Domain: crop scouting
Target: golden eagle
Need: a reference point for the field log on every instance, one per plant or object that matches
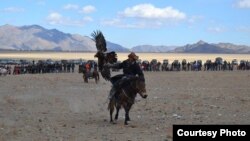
(103, 56)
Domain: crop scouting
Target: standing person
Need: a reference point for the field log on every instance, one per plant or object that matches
(64, 66)
(130, 69)
(87, 67)
(68, 66)
(73, 67)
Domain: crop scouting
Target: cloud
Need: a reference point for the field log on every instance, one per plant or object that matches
(70, 7)
(216, 29)
(118, 22)
(243, 4)
(146, 16)
(88, 19)
(123, 23)
(244, 29)
(41, 2)
(149, 11)
(85, 10)
(195, 19)
(88, 9)
(55, 18)
(12, 10)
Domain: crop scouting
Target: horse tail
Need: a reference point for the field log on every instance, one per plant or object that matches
(111, 105)
(97, 74)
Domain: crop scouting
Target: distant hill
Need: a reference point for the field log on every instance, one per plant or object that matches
(150, 48)
(203, 47)
(199, 47)
(116, 47)
(35, 37)
(235, 48)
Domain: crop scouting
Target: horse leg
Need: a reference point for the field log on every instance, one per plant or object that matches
(129, 107)
(96, 77)
(126, 115)
(111, 110)
(111, 115)
(117, 111)
(83, 76)
(86, 78)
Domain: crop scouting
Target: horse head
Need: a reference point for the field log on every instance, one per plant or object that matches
(141, 87)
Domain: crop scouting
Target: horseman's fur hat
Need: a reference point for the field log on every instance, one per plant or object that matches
(133, 56)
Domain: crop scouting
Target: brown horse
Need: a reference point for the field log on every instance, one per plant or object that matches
(125, 97)
(91, 74)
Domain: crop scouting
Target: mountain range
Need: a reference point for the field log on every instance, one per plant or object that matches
(35, 37)
(203, 47)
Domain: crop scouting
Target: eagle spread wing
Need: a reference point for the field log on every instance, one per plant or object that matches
(100, 41)
(103, 58)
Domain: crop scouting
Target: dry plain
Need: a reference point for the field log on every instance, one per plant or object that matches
(121, 56)
(61, 106)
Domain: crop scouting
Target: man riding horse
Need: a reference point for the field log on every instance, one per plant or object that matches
(125, 86)
(130, 70)
(107, 60)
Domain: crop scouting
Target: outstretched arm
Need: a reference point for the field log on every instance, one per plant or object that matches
(115, 65)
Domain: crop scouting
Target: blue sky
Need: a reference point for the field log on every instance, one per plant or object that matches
(137, 22)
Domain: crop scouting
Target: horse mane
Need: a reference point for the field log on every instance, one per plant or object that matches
(138, 78)
(129, 87)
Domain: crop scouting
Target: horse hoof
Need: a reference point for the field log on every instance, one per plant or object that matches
(112, 122)
(116, 117)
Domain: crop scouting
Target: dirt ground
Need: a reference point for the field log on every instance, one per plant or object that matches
(61, 107)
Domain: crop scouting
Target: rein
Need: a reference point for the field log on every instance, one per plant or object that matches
(125, 94)
(130, 99)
